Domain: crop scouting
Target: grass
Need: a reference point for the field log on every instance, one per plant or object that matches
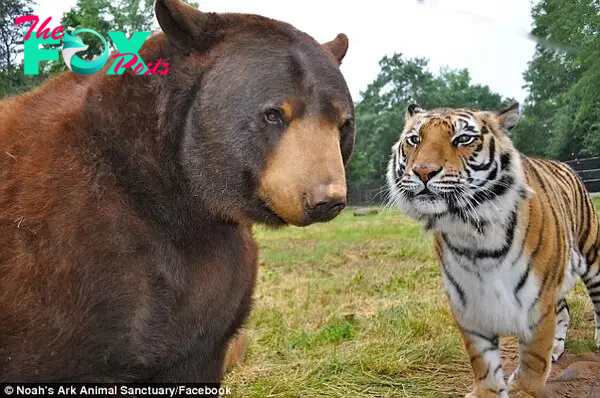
(355, 307)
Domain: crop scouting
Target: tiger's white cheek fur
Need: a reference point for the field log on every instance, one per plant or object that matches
(395, 195)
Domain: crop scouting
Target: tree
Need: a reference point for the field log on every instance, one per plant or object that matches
(103, 16)
(12, 79)
(380, 112)
(561, 113)
(11, 34)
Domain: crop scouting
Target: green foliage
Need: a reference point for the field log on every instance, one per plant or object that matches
(11, 34)
(101, 16)
(380, 113)
(562, 113)
(366, 316)
(12, 79)
(104, 16)
(337, 331)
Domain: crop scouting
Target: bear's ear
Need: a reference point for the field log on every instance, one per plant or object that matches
(187, 28)
(338, 47)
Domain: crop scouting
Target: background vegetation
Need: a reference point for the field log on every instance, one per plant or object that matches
(561, 113)
(356, 308)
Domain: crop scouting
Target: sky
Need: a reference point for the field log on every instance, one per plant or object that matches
(487, 37)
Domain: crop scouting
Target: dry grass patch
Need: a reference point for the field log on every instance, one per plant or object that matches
(355, 307)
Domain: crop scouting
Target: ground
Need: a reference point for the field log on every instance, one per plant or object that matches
(355, 307)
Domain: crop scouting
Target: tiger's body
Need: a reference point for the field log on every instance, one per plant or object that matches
(512, 235)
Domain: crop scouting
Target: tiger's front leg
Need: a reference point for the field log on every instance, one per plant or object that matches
(486, 363)
(535, 356)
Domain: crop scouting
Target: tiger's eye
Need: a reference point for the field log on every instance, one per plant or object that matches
(414, 140)
(463, 140)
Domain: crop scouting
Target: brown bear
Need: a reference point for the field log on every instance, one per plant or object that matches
(126, 201)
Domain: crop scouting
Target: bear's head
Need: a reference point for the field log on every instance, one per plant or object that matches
(270, 123)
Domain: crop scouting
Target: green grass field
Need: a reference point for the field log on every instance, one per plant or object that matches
(355, 308)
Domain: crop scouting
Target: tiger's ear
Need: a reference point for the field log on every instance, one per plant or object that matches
(338, 47)
(508, 117)
(187, 28)
(413, 109)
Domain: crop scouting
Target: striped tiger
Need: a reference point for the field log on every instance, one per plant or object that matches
(512, 234)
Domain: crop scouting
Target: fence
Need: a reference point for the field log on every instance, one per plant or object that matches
(373, 193)
(367, 193)
(589, 171)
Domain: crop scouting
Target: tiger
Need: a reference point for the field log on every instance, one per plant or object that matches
(512, 234)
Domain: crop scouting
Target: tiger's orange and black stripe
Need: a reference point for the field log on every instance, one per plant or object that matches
(512, 235)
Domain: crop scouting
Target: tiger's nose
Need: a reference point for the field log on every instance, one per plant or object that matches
(426, 172)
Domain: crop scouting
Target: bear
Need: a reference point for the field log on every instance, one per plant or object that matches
(127, 201)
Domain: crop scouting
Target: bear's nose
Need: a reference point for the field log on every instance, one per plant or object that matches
(325, 202)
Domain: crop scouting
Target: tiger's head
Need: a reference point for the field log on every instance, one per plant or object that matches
(453, 161)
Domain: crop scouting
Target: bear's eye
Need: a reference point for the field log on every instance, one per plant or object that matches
(346, 126)
(273, 116)
(413, 140)
(463, 140)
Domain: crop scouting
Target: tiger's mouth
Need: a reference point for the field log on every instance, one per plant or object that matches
(432, 200)
(426, 193)
(415, 201)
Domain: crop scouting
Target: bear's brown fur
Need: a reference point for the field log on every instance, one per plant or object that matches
(126, 202)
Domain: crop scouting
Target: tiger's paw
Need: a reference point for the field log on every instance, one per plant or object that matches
(534, 389)
(558, 349)
(513, 385)
(557, 357)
